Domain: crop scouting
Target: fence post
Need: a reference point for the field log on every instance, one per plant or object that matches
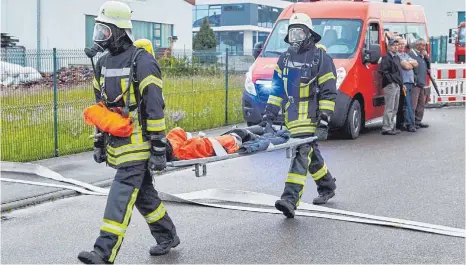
(226, 87)
(55, 103)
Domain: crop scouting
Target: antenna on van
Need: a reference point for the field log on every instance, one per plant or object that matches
(293, 7)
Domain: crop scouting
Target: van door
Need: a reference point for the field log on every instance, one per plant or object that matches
(373, 94)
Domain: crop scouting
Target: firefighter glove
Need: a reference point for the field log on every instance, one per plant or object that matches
(322, 127)
(158, 158)
(157, 162)
(99, 151)
(267, 121)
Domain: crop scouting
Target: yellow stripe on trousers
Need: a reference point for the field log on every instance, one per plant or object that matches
(129, 211)
(308, 164)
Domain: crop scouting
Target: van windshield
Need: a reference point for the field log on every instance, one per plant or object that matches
(462, 36)
(340, 36)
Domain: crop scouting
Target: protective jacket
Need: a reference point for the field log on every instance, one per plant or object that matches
(305, 83)
(183, 146)
(145, 102)
(261, 143)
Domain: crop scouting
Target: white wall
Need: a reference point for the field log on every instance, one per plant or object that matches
(247, 43)
(63, 21)
(19, 20)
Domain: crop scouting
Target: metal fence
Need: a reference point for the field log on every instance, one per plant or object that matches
(43, 98)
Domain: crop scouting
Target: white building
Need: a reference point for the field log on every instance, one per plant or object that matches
(238, 24)
(68, 24)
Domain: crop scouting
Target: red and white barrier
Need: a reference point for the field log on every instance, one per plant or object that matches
(451, 83)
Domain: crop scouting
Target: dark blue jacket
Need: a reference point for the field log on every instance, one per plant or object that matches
(262, 142)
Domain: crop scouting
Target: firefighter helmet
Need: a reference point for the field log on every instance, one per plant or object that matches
(117, 14)
(304, 20)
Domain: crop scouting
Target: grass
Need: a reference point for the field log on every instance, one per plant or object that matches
(27, 115)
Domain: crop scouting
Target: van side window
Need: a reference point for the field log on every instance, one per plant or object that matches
(410, 31)
(417, 30)
(372, 35)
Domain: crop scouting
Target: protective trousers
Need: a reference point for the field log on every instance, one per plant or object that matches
(132, 186)
(307, 159)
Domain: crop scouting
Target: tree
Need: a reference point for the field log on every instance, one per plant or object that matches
(205, 38)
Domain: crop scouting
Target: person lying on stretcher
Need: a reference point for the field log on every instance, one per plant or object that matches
(183, 146)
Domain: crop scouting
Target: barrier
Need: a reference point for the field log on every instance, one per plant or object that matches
(451, 83)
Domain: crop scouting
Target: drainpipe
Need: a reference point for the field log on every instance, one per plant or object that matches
(38, 36)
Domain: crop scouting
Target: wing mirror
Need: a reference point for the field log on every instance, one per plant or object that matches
(372, 55)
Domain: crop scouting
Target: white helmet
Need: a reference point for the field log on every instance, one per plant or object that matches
(118, 14)
(305, 20)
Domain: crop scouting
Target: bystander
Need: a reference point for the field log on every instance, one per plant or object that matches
(391, 83)
(405, 117)
(419, 53)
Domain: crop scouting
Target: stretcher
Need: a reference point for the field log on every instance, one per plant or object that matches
(202, 162)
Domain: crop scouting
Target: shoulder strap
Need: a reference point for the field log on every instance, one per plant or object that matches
(133, 78)
(316, 64)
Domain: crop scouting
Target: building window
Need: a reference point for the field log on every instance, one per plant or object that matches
(211, 12)
(259, 37)
(158, 33)
(267, 15)
(233, 40)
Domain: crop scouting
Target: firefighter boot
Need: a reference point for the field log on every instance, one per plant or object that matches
(286, 207)
(164, 247)
(323, 198)
(91, 258)
(326, 189)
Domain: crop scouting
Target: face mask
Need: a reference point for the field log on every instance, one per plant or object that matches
(296, 35)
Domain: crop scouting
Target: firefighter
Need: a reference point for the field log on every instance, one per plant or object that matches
(304, 84)
(134, 90)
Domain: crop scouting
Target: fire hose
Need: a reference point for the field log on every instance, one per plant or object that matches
(235, 197)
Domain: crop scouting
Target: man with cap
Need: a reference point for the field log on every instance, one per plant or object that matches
(304, 83)
(392, 84)
(128, 81)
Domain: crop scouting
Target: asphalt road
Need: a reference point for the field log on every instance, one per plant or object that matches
(414, 176)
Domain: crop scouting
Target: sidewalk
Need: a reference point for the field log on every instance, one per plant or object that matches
(79, 166)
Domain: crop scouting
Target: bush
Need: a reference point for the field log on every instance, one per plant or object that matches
(173, 67)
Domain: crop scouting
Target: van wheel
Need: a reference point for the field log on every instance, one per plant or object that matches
(353, 124)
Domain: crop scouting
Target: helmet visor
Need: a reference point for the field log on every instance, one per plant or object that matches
(296, 35)
(101, 32)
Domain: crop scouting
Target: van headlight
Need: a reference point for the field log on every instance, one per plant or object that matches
(249, 85)
(341, 74)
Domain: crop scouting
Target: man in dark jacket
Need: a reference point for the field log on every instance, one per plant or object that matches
(392, 83)
(419, 90)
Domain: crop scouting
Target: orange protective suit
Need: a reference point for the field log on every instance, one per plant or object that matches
(197, 147)
(108, 121)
